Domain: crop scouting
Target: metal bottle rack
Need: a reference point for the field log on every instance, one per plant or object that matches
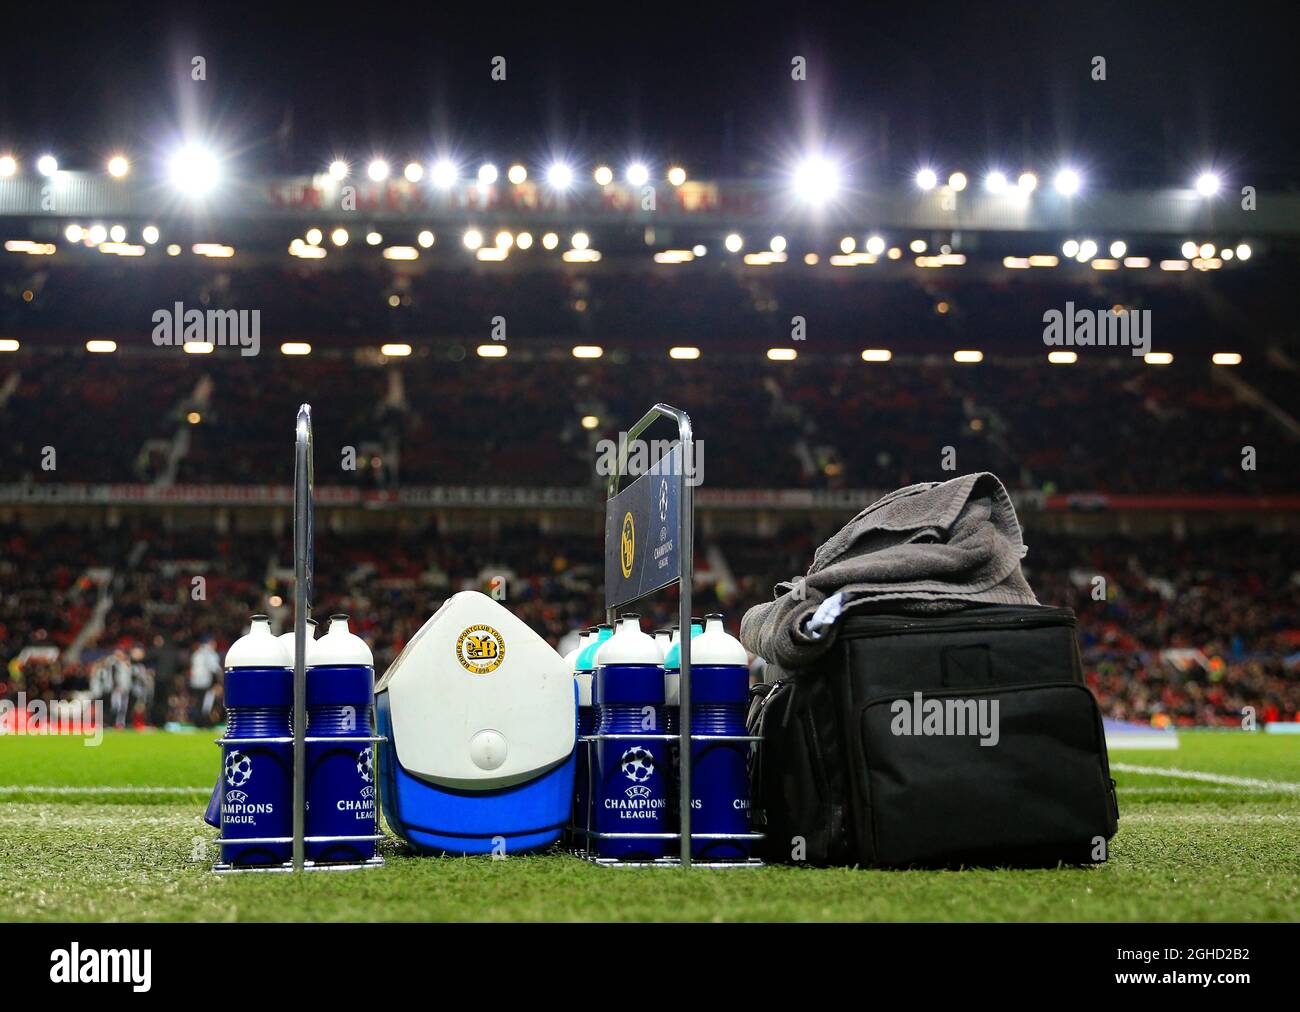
(304, 564)
(616, 597)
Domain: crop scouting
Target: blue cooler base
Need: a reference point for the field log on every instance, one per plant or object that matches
(443, 820)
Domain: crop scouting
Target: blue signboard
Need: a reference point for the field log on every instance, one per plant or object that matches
(643, 533)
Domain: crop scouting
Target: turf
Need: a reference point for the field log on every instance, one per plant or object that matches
(1186, 851)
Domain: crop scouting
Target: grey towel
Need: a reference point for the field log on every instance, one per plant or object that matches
(925, 548)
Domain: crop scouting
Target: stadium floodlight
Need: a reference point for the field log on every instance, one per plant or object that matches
(444, 173)
(413, 172)
(425, 238)
(1062, 357)
(733, 242)
(74, 233)
(8, 166)
(504, 240)
(1207, 184)
(1243, 251)
(374, 238)
(676, 175)
(875, 245)
(377, 170)
(194, 170)
(1087, 250)
(847, 245)
(968, 355)
(777, 245)
(517, 174)
(603, 175)
(339, 237)
(588, 351)
(295, 348)
(1158, 358)
(637, 174)
(918, 246)
(1188, 249)
(524, 240)
(313, 237)
(1070, 248)
(117, 233)
(1226, 358)
(150, 234)
(1067, 182)
(550, 240)
(395, 349)
(1206, 251)
(816, 179)
(1027, 182)
(472, 239)
(926, 179)
(684, 353)
(47, 165)
(876, 355)
(1118, 248)
(338, 170)
(699, 249)
(559, 175)
(590, 421)
(782, 354)
(491, 351)
(96, 234)
(101, 347)
(118, 166)
(995, 182)
(487, 174)
(580, 240)
(957, 182)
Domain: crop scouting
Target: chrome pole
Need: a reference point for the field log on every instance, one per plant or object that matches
(302, 545)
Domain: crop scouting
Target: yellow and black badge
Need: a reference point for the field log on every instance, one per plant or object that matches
(480, 649)
(627, 546)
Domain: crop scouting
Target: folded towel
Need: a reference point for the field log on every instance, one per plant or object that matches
(925, 548)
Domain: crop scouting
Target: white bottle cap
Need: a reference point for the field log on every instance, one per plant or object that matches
(258, 648)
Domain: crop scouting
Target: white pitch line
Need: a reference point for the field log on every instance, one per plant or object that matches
(1209, 778)
(97, 789)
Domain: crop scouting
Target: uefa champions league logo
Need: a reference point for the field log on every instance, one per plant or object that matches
(663, 501)
(366, 764)
(637, 764)
(239, 769)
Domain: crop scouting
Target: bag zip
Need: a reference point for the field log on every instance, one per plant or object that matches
(891, 625)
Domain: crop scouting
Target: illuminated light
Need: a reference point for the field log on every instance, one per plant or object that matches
(1070, 248)
(674, 256)
(926, 179)
(1102, 264)
(1226, 253)
(942, 308)
(47, 165)
(377, 170)
(197, 348)
(373, 238)
(444, 173)
(74, 233)
(588, 351)
(1118, 248)
(1016, 263)
(524, 240)
(603, 175)
(1158, 358)
(117, 233)
(425, 238)
(118, 166)
(590, 421)
(777, 245)
(338, 170)
(1027, 182)
(580, 256)
(918, 246)
(215, 250)
(1189, 249)
(699, 249)
(851, 260)
(1206, 250)
(517, 174)
(1207, 263)
(816, 180)
(684, 353)
(1062, 357)
(676, 175)
(413, 172)
(550, 240)
(1087, 250)
(877, 355)
(313, 237)
(1043, 260)
(943, 260)
(968, 356)
(848, 244)
(122, 249)
(957, 182)
(766, 259)
(9, 344)
(395, 350)
(487, 174)
(8, 166)
(733, 243)
(339, 237)
(29, 247)
(811, 259)
(493, 254)
(560, 176)
(1173, 265)
(1226, 358)
(875, 245)
(782, 354)
(173, 250)
(491, 351)
(895, 253)
(1067, 182)
(194, 170)
(995, 182)
(401, 253)
(1243, 251)
(580, 240)
(295, 348)
(150, 234)
(1207, 184)
(637, 174)
(100, 347)
(1138, 263)
(394, 300)
(194, 418)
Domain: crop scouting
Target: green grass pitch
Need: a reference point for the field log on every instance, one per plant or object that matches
(115, 832)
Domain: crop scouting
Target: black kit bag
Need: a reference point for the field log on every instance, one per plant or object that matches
(873, 756)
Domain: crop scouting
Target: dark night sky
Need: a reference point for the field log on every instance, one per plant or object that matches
(962, 85)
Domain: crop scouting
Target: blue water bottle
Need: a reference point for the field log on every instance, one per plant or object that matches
(584, 675)
(340, 776)
(631, 780)
(257, 778)
(672, 711)
(719, 769)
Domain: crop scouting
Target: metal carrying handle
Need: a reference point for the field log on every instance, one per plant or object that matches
(303, 535)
